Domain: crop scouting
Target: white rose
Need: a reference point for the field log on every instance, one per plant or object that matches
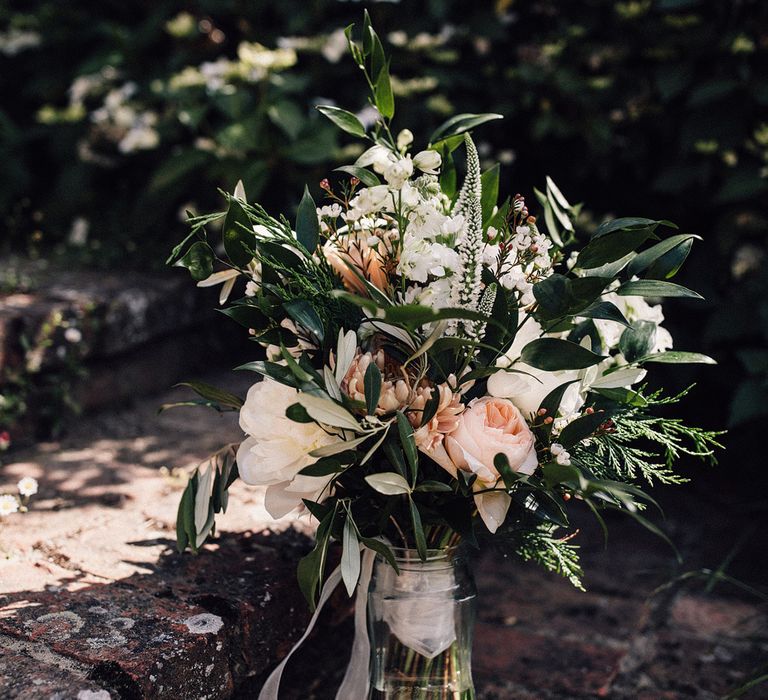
(528, 390)
(277, 448)
(428, 161)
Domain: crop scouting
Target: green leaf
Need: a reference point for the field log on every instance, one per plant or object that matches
(326, 411)
(372, 387)
(609, 248)
(382, 92)
(350, 556)
(434, 486)
(388, 483)
(246, 315)
(325, 466)
(346, 121)
(418, 531)
(211, 393)
(447, 173)
(380, 548)
(551, 405)
(310, 569)
(307, 223)
(656, 288)
(237, 234)
(372, 47)
(553, 354)
(302, 312)
(605, 310)
(637, 340)
(560, 296)
(198, 260)
(298, 414)
(405, 430)
(185, 518)
(678, 357)
(489, 183)
(668, 265)
(365, 176)
(555, 474)
(627, 222)
(644, 260)
(459, 124)
(582, 428)
(501, 462)
(624, 396)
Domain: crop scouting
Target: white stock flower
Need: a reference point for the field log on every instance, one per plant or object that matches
(27, 486)
(378, 157)
(277, 448)
(428, 162)
(397, 173)
(404, 139)
(8, 505)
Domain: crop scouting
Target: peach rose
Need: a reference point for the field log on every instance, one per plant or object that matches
(488, 427)
(351, 252)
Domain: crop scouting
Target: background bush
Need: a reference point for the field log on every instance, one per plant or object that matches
(119, 116)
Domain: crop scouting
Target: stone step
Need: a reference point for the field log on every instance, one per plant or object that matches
(93, 339)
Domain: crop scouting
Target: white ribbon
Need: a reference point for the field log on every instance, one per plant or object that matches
(355, 683)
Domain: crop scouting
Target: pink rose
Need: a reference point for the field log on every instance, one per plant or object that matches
(488, 427)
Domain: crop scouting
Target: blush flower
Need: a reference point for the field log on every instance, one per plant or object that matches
(429, 436)
(352, 258)
(394, 392)
(487, 427)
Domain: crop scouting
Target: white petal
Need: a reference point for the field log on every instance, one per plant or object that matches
(493, 507)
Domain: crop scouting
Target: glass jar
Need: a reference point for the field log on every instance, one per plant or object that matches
(420, 624)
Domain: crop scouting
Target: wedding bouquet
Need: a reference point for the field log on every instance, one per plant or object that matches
(435, 363)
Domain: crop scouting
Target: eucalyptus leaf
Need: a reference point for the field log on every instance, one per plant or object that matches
(372, 388)
(679, 357)
(656, 288)
(307, 223)
(327, 412)
(388, 483)
(644, 260)
(346, 121)
(553, 354)
(350, 556)
(489, 183)
(459, 124)
(365, 176)
(198, 260)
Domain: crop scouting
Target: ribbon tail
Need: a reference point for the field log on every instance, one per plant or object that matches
(355, 683)
(271, 687)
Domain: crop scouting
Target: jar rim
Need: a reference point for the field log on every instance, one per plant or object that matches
(409, 555)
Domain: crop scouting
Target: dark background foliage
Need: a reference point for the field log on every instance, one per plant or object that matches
(647, 107)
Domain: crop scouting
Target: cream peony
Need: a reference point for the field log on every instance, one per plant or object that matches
(487, 427)
(277, 448)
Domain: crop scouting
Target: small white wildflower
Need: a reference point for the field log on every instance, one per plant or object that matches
(73, 335)
(428, 161)
(8, 505)
(404, 139)
(27, 486)
(251, 289)
(398, 173)
(561, 455)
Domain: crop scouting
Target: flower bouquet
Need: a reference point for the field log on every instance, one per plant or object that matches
(436, 366)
